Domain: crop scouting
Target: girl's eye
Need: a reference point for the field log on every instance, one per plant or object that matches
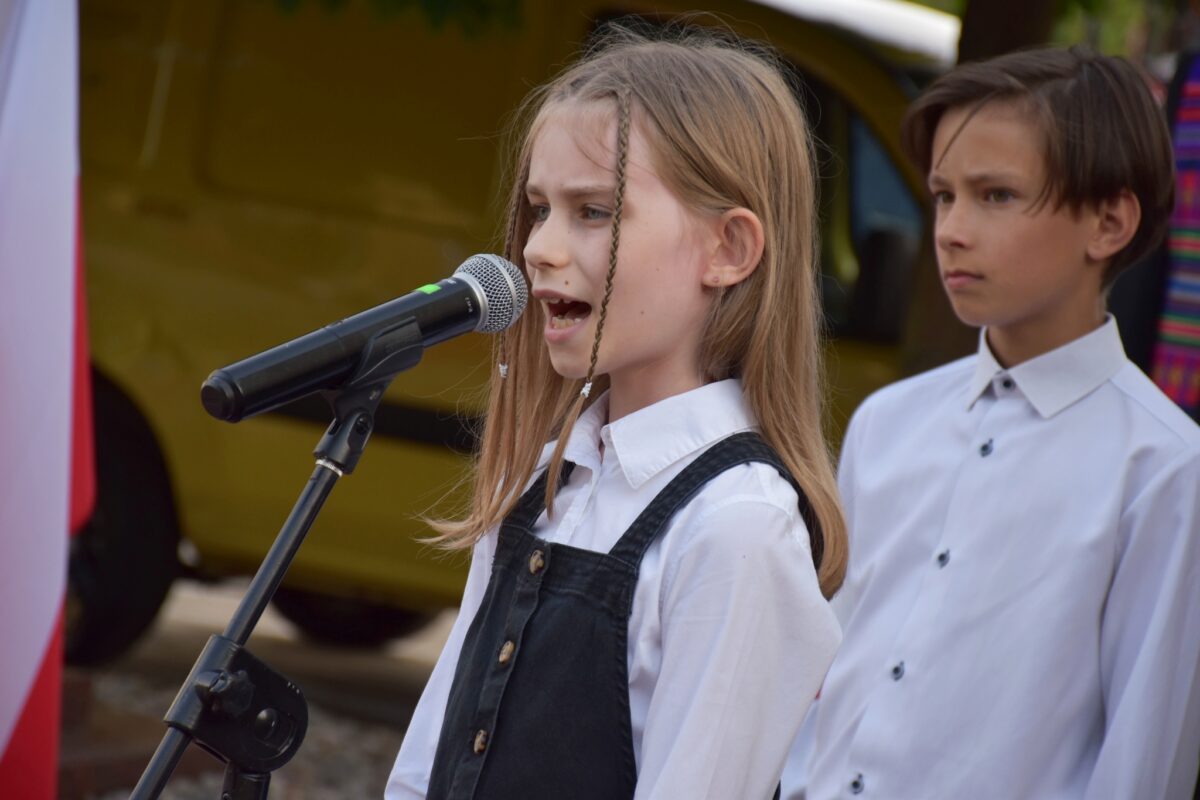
(593, 213)
(540, 212)
(942, 198)
(997, 195)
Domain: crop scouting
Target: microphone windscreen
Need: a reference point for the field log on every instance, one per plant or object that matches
(504, 290)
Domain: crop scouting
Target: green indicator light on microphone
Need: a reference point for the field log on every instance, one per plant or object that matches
(429, 288)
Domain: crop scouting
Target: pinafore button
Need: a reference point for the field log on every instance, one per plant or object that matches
(481, 740)
(506, 651)
(536, 562)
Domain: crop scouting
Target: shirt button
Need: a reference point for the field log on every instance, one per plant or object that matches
(857, 785)
(506, 651)
(536, 562)
(898, 671)
(481, 740)
(943, 558)
(985, 449)
(1007, 383)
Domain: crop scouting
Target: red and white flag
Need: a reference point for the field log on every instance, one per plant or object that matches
(46, 480)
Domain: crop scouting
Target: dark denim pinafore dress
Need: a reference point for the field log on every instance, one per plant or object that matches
(539, 707)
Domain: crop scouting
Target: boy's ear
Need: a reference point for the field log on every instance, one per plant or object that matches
(1117, 220)
(739, 248)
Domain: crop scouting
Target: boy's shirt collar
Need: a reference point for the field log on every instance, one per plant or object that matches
(651, 439)
(1056, 379)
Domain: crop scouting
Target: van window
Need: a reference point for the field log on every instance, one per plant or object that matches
(402, 124)
(879, 197)
(886, 226)
(825, 112)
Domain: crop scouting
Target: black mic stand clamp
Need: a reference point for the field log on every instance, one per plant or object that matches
(233, 705)
(243, 712)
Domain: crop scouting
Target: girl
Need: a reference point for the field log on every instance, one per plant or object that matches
(655, 522)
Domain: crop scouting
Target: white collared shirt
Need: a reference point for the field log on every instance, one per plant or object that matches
(729, 637)
(1022, 607)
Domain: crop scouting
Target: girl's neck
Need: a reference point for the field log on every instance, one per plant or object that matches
(635, 389)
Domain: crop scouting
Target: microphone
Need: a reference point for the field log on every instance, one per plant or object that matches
(486, 293)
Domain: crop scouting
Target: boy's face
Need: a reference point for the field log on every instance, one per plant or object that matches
(1020, 268)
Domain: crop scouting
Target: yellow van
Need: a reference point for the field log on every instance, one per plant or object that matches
(254, 169)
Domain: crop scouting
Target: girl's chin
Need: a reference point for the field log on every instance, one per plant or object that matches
(570, 368)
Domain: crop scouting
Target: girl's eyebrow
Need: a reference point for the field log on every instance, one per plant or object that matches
(582, 190)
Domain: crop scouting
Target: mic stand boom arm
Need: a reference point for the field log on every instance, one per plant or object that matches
(231, 704)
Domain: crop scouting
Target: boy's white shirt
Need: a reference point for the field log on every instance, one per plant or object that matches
(729, 637)
(1055, 654)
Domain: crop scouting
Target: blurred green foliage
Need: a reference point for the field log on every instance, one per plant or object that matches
(954, 7)
(1120, 27)
(472, 16)
(1125, 27)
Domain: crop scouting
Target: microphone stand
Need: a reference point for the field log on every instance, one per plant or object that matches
(231, 704)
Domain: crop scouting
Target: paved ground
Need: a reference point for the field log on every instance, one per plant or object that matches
(359, 702)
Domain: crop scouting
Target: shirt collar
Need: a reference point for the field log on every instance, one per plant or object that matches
(651, 439)
(1059, 378)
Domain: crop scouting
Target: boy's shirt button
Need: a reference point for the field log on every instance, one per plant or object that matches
(943, 558)
(985, 449)
(857, 785)
(1007, 383)
(898, 671)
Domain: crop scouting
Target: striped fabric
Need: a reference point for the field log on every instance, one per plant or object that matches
(1177, 354)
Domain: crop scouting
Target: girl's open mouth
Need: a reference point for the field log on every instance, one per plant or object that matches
(566, 313)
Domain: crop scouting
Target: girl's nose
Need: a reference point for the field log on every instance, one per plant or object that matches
(546, 247)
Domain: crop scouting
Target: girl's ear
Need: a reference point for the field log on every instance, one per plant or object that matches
(739, 248)
(1117, 220)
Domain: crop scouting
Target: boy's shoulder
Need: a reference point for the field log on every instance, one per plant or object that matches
(1177, 430)
(1161, 430)
(939, 384)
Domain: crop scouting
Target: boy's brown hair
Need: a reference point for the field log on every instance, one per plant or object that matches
(1104, 133)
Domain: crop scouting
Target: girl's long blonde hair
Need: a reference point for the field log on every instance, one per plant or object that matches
(726, 131)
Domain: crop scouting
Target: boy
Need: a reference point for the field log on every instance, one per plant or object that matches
(1021, 613)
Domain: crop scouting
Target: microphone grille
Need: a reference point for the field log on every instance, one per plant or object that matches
(504, 290)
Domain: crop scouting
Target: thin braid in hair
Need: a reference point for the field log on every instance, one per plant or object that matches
(618, 205)
(510, 236)
(555, 466)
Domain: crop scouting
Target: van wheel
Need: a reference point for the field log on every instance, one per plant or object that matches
(344, 622)
(123, 562)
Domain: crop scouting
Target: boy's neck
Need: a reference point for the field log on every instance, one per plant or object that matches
(1016, 344)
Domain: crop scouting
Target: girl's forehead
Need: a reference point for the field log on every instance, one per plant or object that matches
(590, 125)
(589, 129)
